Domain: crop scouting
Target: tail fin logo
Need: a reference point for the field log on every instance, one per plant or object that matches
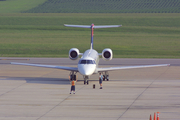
(92, 35)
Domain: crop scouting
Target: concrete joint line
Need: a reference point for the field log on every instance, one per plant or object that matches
(12, 89)
(58, 104)
(143, 92)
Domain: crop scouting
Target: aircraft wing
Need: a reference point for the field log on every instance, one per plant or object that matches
(128, 67)
(48, 66)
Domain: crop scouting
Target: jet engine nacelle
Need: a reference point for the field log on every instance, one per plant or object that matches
(107, 54)
(73, 53)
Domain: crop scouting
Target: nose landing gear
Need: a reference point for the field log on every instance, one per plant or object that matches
(86, 80)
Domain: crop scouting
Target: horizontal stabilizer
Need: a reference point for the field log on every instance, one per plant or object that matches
(106, 26)
(80, 26)
(95, 26)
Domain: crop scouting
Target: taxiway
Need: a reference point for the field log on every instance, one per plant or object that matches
(32, 93)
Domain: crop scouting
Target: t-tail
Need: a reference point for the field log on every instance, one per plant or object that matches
(92, 26)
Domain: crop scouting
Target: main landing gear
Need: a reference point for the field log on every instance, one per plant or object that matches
(86, 80)
(72, 75)
(105, 76)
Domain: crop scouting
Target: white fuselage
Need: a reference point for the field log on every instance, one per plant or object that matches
(88, 63)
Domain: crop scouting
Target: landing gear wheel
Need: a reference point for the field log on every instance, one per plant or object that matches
(107, 77)
(104, 77)
(86, 80)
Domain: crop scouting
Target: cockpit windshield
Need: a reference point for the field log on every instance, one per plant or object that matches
(87, 62)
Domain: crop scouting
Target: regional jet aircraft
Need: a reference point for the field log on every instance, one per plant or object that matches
(88, 63)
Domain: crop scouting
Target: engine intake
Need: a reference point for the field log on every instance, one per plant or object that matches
(73, 53)
(107, 54)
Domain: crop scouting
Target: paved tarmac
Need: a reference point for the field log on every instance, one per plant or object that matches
(32, 93)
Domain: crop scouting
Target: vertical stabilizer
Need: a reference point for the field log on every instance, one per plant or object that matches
(92, 26)
(92, 35)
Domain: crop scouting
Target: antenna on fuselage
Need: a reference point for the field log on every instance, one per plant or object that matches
(92, 26)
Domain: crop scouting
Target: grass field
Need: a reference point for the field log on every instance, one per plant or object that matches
(89, 6)
(17, 6)
(107, 6)
(43, 35)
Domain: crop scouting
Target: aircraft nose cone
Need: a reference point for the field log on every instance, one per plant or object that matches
(86, 70)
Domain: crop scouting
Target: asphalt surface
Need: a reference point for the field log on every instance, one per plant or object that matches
(33, 93)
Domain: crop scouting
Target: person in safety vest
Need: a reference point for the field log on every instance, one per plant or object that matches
(73, 80)
(100, 80)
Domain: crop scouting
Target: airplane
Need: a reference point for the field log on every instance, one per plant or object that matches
(88, 63)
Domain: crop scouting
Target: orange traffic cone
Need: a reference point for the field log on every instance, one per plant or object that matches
(150, 118)
(157, 115)
(154, 116)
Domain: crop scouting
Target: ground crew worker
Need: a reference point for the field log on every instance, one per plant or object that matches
(73, 80)
(100, 80)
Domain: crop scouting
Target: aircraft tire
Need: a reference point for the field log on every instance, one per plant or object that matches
(103, 77)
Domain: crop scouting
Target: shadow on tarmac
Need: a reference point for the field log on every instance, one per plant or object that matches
(45, 80)
(40, 80)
